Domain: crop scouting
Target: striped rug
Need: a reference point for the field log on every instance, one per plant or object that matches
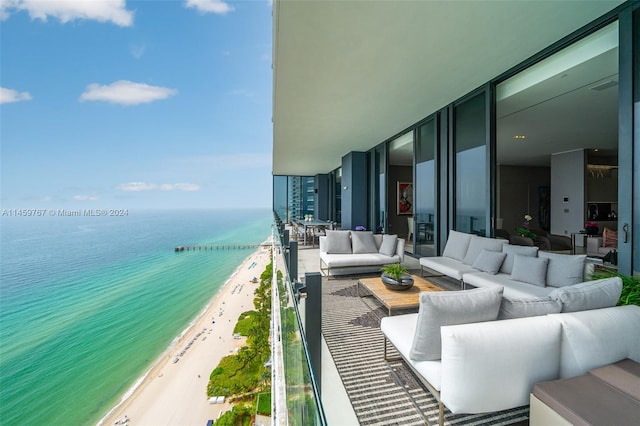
(383, 393)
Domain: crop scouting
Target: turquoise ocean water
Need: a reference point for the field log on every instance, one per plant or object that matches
(87, 304)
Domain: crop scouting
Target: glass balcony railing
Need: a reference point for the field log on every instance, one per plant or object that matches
(295, 397)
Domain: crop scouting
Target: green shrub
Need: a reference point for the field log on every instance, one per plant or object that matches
(630, 287)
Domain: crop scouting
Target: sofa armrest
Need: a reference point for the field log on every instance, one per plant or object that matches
(322, 242)
(400, 249)
(491, 366)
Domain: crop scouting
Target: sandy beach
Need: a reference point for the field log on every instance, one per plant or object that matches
(175, 392)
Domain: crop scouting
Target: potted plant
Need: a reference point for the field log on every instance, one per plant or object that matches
(396, 277)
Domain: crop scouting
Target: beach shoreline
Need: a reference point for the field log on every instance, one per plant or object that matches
(173, 389)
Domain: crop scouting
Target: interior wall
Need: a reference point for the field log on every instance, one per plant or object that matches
(568, 192)
(397, 223)
(519, 194)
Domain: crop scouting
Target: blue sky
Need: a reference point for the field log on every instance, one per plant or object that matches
(135, 104)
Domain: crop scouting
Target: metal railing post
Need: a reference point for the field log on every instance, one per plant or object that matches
(313, 323)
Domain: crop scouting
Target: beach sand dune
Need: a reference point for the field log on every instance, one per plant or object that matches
(175, 393)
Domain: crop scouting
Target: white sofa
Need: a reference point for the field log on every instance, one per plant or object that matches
(493, 365)
(524, 272)
(355, 252)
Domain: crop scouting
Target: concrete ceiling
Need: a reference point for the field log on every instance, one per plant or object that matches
(351, 74)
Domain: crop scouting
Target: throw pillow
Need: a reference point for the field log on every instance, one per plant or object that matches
(511, 250)
(532, 270)
(363, 242)
(564, 269)
(609, 238)
(438, 308)
(596, 294)
(388, 246)
(521, 308)
(457, 245)
(338, 242)
(477, 244)
(489, 261)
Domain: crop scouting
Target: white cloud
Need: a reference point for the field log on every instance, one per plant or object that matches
(126, 93)
(141, 186)
(136, 187)
(92, 197)
(8, 95)
(187, 187)
(209, 6)
(114, 11)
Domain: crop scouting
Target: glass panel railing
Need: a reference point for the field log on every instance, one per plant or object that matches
(295, 394)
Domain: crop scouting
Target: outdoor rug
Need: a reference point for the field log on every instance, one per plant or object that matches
(381, 392)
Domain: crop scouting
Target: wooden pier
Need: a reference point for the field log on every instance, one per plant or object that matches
(201, 247)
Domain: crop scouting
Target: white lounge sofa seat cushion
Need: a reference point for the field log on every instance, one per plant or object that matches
(493, 365)
(598, 337)
(431, 371)
(511, 251)
(447, 266)
(563, 269)
(531, 270)
(448, 308)
(489, 261)
(512, 289)
(457, 245)
(363, 242)
(388, 246)
(477, 244)
(522, 308)
(596, 294)
(338, 242)
(371, 259)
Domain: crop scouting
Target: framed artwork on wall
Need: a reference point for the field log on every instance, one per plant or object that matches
(405, 198)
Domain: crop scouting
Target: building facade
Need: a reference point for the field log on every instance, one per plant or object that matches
(433, 116)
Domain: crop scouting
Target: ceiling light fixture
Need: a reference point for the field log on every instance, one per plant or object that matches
(519, 137)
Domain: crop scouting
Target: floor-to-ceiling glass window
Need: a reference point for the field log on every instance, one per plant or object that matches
(280, 206)
(557, 144)
(470, 165)
(337, 196)
(381, 202)
(425, 218)
(636, 140)
(400, 188)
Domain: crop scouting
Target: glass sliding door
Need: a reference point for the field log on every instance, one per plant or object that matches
(470, 166)
(425, 218)
(381, 202)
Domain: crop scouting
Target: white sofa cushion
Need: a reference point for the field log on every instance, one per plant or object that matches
(446, 265)
(594, 338)
(367, 259)
(388, 246)
(477, 244)
(363, 242)
(512, 289)
(511, 251)
(522, 308)
(457, 245)
(596, 294)
(400, 330)
(564, 269)
(338, 242)
(493, 365)
(489, 261)
(448, 308)
(532, 270)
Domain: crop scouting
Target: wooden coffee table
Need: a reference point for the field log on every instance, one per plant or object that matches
(392, 299)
